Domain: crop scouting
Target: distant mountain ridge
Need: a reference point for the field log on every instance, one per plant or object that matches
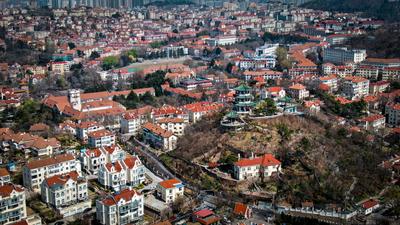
(388, 10)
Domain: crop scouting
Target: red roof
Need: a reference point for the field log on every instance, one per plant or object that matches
(370, 203)
(170, 183)
(126, 194)
(240, 209)
(7, 189)
(204, 213)
(266, 160)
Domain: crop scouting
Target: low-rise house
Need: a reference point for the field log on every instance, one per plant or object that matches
(175, 125)
(206, 217)
(125, 207)
(91, 159)
(68, 193)
(169, 112)
(199, 109)
(87, 127)
(101, 138)
(36, 171)
(369, 206)
(256, 167)
(5, 177)
(158, 137)
(373, 122)
(242, 210)
(273, 92)
(170, 190)
(12, 203)
(121, 174)
(298, 91)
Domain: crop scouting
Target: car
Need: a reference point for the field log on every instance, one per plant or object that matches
(59, 223)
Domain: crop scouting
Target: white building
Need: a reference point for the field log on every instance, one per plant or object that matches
(36, 171)
(91, 159)
(128, 172)
(175, 125)
(5, 177)
(298, 91)
(101, 138)
(170, 190)
(256, 167)
(126, 207)
(85, 128)
(331, 81)
(158, 137)
(355, 87)
(199, 109)
(392, 112)
(130, 123)
(373, 122)
(273, 93)
(222, 40)
(343, 55)
(12, 203)
(68, 193)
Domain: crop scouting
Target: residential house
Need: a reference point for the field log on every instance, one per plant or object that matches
(175, 125)
(101, 138)
(369, 206)
(5, 177)
(128, 172)
(68, 193)
(373, 122)
(170, 190)
(298, 91)
(124, 207)
(256, 167)
(392, 113)
(34, 172)
(355, 87)
(12, 203)
(158, 137)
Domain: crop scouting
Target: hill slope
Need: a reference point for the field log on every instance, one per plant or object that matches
(382, 9)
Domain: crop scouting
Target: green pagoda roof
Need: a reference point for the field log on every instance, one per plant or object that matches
(242, 87)
(232, 114)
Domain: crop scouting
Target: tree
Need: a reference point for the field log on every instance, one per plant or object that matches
(110, 62)
(94, 55)
(282, 58)
(147, 98)
(229, 67)
(71, 45)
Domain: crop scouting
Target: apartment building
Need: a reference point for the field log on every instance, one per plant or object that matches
(169, 112)
(256, 167)
(12, 203)
(392, 113)
(175, 125)
(36, 171)
(130, 123)
(331, 81)
(298, 91)
(355, 87)
(68, 193)
(101, 138)
(121, 174)
(170, 190)
(369, 72)
(91, 159)
(125, 207)
(392, 73)
(378, 87)
(158, 137)
(344, 55)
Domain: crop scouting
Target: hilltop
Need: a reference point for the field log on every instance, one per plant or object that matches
(320, 162)
(381, 9)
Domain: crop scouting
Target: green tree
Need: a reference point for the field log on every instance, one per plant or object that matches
(71, 45)
(147, 98)
(110, 62)
(94, 55)
(282, 58)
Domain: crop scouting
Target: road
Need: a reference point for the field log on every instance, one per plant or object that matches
(155, 165)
